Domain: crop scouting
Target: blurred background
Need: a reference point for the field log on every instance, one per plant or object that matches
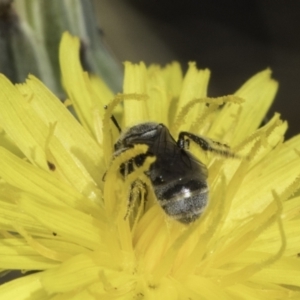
(234, 39)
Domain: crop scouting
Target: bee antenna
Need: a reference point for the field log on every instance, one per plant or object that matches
(114, 121)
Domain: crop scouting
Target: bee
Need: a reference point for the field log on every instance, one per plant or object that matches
(178, 178)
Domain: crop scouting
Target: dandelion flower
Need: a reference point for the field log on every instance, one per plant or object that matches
(60, 218)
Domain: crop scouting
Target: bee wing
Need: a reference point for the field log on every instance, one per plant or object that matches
(173, 162)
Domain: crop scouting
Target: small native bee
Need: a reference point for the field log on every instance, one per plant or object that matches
(178, 178)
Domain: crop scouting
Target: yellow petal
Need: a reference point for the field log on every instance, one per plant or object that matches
(278, 171)
(22, 125)
(15, 254)
(195, 84)
(28, 287)
(74, 153)
(73, 225)
(173, 78)
(250, 292)
(159, 101)
(78, 85)
(76, 273)
(286, 271)
(27, 177)
(135, 80)
(259, 91)
(8, 143)
(268, 240)
(204, 287)
(236, 122)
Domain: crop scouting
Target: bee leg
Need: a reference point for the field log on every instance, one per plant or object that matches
(114, 121)
(137, 198)
(205, 144)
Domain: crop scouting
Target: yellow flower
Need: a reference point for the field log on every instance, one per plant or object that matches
(59, 217)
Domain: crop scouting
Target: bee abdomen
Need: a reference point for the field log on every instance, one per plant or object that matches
(184, 202)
